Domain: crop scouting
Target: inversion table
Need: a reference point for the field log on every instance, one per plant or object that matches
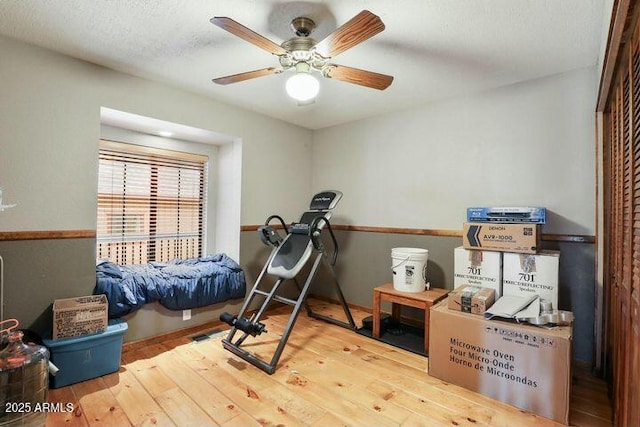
(287, 259)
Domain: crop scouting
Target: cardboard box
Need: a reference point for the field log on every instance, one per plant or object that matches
(522, 365)
(471, 299)
(477, 268)
(82, 358)
(532, 274)
(74, 317)
(521, 238)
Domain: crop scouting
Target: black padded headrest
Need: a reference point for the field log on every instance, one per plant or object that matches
(325, 200)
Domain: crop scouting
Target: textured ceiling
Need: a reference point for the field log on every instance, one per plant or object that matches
(434, 48)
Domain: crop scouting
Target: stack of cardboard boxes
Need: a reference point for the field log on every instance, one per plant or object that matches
(507, 259)
(84, 344)
(523, 365)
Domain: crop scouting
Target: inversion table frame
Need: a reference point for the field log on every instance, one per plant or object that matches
(298, 234)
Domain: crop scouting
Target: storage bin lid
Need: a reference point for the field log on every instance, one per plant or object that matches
(115, 327)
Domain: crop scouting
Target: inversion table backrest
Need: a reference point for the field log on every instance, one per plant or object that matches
(296, 248)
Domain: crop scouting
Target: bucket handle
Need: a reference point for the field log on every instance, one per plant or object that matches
(424, 269)
(393, 267)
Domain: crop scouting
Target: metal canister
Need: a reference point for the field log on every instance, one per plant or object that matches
(545, 306)
(24, 381)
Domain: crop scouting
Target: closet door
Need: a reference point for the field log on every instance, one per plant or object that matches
(633, 337)
(622, 235)
(616, 244)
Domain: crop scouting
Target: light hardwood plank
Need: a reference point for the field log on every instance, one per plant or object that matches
(330, 420)
(386, 390)
(353, 404)
(578, 418)
(344, 382)
(333, 375)
(74, 418)
(242, 420)
(321, 394)
(253, 397)
(98, 403)
(134, 400)
(312, 376)
(327, 376)
(404, 377)
(595, 407)
(148, 373)
(439, 407)
(215, 404)
(182, 410)
(169, 396)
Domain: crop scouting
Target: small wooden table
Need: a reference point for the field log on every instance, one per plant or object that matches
(423, 300)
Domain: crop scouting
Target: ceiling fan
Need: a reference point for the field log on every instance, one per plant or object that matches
(305, 55)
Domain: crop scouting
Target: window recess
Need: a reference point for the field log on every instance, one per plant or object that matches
(151, 204)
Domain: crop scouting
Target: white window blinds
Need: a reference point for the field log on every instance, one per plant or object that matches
(151, 204)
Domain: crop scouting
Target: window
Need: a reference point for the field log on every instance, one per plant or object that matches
(151, 204)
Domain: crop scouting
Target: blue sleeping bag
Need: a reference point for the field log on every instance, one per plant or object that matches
(177, 285)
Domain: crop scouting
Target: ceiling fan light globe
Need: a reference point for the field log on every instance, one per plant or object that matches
(302, 87)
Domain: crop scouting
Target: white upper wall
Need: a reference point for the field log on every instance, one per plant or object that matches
(607, 11)
(528, 144)
(50, 126)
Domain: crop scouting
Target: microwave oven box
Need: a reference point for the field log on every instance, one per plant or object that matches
(528, 274)
(521, 365)
(478, 268)
(520, 238)
(73, 317)
(471, 299)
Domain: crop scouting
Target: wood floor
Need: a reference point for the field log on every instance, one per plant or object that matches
(327, 376)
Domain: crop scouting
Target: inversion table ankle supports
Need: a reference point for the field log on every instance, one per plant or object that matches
(288, 257)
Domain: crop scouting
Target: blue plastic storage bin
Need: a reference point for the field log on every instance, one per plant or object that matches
(86, 357)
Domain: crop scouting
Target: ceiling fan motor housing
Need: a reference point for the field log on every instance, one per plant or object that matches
(299, 49)
(299, 44)
(303, 26)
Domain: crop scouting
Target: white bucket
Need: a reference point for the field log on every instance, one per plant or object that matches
(409, 266)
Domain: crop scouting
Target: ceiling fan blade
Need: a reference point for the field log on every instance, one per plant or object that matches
(361, 27)
(235, 78)
(357, 76)
(244, 33)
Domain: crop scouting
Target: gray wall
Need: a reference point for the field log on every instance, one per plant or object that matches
(38, 271)
(50, 122)
(364, 263)
(527, 144)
